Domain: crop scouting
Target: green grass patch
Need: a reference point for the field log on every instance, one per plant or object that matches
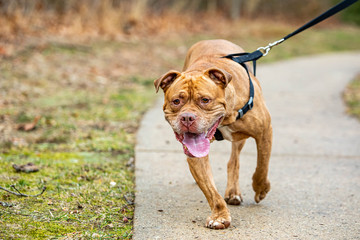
(85, 194)
(83, 143)
(352, 97)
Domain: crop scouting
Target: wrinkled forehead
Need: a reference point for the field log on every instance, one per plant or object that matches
(193, 84)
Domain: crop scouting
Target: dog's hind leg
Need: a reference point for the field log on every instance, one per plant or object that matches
(232, 193)
(201, 171)
(261, 184)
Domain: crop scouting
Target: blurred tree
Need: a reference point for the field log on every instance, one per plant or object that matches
(235, 9)
(352, 14)
(212, 6)
(107, 16)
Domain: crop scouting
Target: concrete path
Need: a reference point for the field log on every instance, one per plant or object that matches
(314, 168)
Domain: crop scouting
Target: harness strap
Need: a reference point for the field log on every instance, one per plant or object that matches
(241, 58)
(249, 105)
(246, 57)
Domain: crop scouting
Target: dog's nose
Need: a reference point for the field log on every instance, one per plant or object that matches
(187, 119)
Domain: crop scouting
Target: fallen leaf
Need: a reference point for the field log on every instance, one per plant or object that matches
(28, 126)
(29, 167)
(2, 51)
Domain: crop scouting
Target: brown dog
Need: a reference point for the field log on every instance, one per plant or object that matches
(207, 96)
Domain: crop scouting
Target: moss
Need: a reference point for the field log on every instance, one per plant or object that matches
(79, 196)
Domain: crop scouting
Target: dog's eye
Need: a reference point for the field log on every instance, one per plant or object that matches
(205, 100)
(176, 101)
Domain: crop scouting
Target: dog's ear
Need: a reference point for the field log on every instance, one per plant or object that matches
(165, 80)
(219, 76)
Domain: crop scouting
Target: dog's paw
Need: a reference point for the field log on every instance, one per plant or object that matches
(261, 189)
(218, 223)
(233, 199)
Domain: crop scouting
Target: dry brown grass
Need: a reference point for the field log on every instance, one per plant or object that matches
(24, 22)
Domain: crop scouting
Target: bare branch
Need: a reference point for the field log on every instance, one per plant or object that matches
(20, 194)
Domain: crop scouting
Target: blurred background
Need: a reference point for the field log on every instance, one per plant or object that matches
(76, 77)
(113, 17)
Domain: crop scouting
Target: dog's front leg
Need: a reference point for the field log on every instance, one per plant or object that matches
(201, 171)
(261, 184)
(232, 193)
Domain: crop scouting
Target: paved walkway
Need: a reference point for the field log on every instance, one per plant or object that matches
(314, 168)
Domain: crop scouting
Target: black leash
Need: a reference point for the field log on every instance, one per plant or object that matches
(263, 51)
(241, 58)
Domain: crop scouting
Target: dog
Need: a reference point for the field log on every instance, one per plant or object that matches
(205, 97)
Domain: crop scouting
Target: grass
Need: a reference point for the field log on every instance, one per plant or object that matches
(83, 143)
(352, 97)
(79, 199)
(90, 97)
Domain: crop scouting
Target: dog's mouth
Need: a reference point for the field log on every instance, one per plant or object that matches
(198, 144)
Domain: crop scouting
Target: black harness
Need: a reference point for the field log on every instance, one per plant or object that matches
(242, 58)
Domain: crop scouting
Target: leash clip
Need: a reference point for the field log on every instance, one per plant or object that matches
(266, 50)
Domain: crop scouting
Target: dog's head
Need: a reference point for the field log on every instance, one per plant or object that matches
(194, 106)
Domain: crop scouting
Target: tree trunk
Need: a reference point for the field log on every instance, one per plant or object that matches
(235, 9)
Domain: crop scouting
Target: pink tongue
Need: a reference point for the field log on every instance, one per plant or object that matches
(197, 144)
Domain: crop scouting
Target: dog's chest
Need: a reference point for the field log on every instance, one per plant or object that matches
(226, 132)
(232, 133)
